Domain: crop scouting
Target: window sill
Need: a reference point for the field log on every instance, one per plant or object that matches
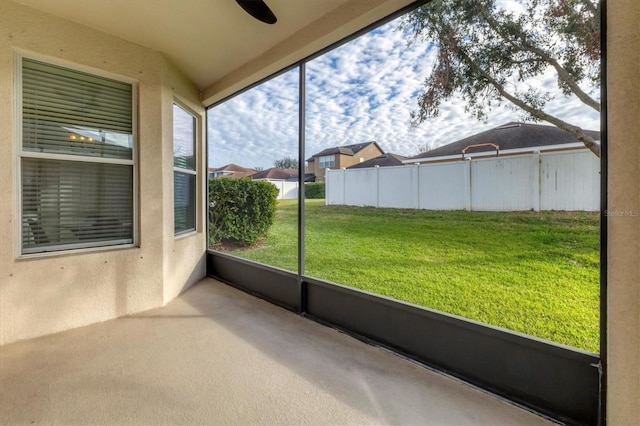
(185, 234)
(74, 252)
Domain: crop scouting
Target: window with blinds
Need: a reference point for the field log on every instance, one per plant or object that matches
(76, 160)
(184, 170)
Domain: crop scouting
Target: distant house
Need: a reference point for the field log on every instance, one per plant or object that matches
(231, 171)
(508, 139)
(276, 173)
(286, 180)
(342, 157)
(384, 160)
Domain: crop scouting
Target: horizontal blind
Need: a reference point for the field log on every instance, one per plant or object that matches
(184, 176)
(70, 112)
(75, 203)
(184, 202)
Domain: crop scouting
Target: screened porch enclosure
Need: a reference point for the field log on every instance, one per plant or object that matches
(361, 272)
(113, 307)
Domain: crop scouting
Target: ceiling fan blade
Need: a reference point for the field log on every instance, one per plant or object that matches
(259, 10)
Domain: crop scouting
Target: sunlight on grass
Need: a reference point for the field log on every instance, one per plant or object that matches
(535, 273)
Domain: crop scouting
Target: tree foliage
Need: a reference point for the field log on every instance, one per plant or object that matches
(424, 148)
(241, 210)
(286, 163)
(488, 55)
(316, 190)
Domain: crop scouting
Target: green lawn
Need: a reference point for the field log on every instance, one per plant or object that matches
(536, 273)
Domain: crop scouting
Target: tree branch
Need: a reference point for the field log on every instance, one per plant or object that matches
(563, 74)
(528, 61)
(566, 77)
(580, 135)
(590, 6)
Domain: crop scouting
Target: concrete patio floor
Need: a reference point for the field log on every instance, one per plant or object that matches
(216, 355)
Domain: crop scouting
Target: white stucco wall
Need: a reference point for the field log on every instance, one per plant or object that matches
(184, 256)
(42, 295)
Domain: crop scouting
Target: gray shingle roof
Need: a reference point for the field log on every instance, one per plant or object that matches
(509, 136)
(276, 173)
(232, 168)
(384, 160)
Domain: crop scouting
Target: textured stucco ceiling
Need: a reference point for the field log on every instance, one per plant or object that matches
(214, 40)
(205, 38)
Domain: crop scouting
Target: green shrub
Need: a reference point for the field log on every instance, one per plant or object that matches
(240, 210)
(314, 190)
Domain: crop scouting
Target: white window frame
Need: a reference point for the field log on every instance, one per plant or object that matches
(196, 131)
(21, 153)
(327, 161)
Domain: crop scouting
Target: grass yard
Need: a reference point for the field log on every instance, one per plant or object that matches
(536, 273)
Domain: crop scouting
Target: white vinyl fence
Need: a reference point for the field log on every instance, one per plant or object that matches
(287, 190)
(567, 180)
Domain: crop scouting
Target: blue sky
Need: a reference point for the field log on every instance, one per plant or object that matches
(362, 91)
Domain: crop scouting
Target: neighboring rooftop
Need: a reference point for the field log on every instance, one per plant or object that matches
(384, 160)
(231, 171)
(508, 136)
(345, 149)
(276, 173)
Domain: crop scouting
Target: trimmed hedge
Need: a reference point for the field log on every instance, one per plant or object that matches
(240, 210)
(314, 190)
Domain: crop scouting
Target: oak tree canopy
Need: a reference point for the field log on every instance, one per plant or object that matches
(487, 54)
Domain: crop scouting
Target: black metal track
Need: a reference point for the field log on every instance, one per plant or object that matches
(604, 173)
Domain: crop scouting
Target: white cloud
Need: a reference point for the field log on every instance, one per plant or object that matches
(362, 91)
